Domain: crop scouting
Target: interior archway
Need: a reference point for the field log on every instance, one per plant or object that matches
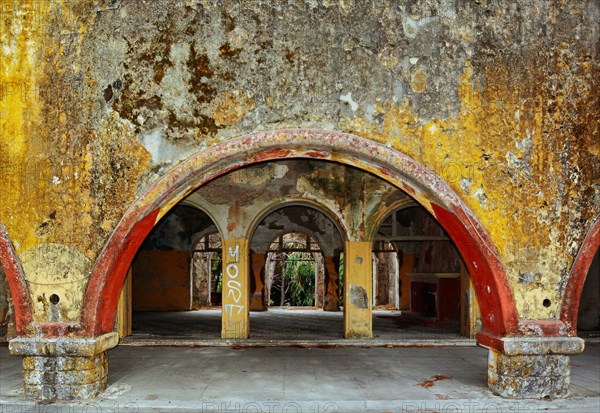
(171, 273)
(313, 221)
(419, 272)
(478, 252)
(290, 274)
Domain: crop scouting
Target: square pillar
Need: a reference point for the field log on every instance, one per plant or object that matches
(64, 368)
(235, 319)
(532, 367)
(358, 290)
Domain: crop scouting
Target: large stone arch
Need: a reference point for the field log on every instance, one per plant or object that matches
(474, 244)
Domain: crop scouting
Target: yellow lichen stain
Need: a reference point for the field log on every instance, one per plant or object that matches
(22, 174)
(231, 108)
(116, 160)
(469, 151)
(63, 184)
(418, 81)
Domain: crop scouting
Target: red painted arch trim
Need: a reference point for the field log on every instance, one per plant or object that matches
(16, 283)
(481, 257)
(570, 304)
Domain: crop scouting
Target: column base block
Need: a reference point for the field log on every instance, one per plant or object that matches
(64, 368)
(528, 376)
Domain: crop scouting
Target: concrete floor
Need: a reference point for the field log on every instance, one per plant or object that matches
(292, 379)
(315, 370)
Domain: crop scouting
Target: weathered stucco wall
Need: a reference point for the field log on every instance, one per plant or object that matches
(99, 98)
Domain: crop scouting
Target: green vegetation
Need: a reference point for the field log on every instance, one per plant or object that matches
(300, 278)
(298, 281)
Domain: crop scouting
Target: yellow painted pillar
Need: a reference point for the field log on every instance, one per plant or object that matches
(235, 319)
(358, 281)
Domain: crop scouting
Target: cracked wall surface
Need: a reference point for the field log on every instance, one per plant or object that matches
(99, 99)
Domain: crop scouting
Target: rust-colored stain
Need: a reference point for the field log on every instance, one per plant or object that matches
(431, 381)
(317, 154)
(231, 108)
(273, 154)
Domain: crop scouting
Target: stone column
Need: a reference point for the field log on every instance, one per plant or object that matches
(258, 296)
(532, 367)
(64, 368)
(393, 280)
(235, 320)
(358, 280)
(332, 296)
(319, 280)
(201, 273)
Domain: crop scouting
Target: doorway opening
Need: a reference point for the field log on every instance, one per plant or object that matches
(207, 271)
(419, 278)
(294, 273)
(177, 270)
(294, 254)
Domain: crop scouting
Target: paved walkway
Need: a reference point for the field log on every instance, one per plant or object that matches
(292, 379)
(407, 367)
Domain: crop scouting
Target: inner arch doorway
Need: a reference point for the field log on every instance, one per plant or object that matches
(302, 230)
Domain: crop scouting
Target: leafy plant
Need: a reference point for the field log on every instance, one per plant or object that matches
(296, 277)
(300, 278)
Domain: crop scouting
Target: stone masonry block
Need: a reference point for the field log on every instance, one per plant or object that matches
(528, 376)
(528, 365)
(65, 391)
(71, 377)
(64, 377)
(529, 387)
(64, 363)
